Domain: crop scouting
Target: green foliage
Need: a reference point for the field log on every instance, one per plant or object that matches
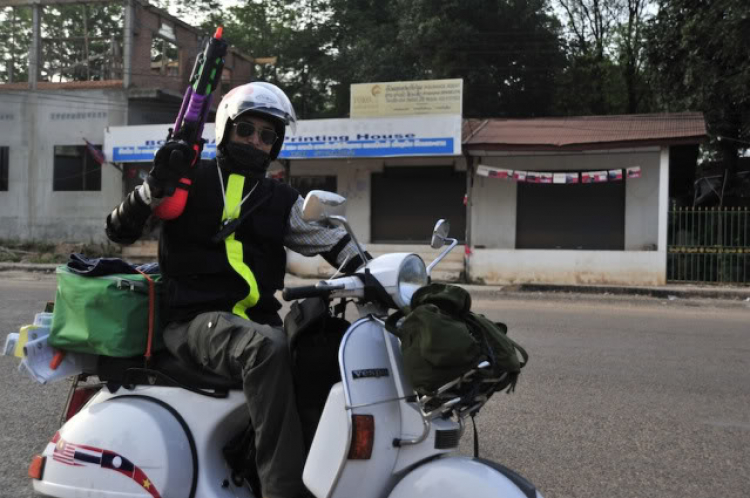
(81, 41)
(297, 35)
(15, 31)
(701, 61)
(605, 68)
(509, 53)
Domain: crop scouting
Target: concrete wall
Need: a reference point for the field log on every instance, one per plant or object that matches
(503, 266)
(493, 219)
(353, 182)
(146, 26)
(148, 21)
(494, 259)
(40, 120)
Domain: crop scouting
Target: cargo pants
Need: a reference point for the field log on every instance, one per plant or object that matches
(235, 348)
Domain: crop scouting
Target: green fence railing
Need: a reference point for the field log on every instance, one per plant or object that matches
(709, 245)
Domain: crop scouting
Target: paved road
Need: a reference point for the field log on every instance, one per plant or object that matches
(623, 397)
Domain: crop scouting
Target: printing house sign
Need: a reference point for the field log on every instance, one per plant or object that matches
(422, 132)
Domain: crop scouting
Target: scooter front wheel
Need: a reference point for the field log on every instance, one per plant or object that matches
(462, 477)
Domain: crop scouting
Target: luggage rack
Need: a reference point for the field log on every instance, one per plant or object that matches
(462, 396)
(459, 398)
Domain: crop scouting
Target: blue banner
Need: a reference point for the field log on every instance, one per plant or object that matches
(145, 153)
(368, 148)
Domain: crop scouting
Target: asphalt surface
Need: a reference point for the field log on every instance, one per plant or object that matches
(623, 397)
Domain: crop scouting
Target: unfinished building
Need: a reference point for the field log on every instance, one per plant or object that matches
(68, 70)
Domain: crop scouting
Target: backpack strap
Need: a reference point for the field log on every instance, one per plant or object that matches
(392, 320)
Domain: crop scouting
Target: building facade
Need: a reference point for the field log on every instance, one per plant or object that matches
(580, 200)
(52, 185)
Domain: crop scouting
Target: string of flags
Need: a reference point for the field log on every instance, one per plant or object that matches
(611, 175)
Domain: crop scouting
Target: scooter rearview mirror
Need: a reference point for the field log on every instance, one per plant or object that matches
(320, 205)
(440, 233)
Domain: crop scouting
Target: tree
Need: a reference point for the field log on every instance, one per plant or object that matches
(632, 54)
(296, 34)
(15, 30)
(81, 41)
(589, 82)
(701, 60)
(507, 52)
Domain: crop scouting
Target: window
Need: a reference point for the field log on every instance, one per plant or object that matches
(75, 169)
(588, 216)
(4, 153)
(304, 184)
(165, 55)
(226, 81)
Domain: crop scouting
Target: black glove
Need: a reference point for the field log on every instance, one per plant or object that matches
(171, 162)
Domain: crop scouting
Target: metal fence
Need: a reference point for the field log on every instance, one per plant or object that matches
(709, 245)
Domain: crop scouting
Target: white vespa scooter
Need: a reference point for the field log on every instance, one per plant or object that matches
(375, 439)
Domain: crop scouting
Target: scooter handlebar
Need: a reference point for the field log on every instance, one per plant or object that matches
(318, 290)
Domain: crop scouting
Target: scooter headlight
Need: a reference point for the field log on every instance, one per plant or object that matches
(412, 275)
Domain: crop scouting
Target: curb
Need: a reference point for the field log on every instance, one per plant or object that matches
(657, 292)
(491, 291)
(478, 290)
(44, 268)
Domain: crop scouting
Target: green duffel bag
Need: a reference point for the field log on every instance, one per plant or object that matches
(441, 339)
(106, 315)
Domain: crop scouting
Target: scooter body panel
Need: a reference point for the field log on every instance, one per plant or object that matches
(158, 429)
(366, 369)
(367, 388)
(462, 477)
(330, 446)
(119, 447)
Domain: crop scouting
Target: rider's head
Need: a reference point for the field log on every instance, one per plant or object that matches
(251, 123)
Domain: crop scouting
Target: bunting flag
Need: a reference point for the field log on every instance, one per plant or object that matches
(562, 178)
(614, 175)
(634, 172)
(491, 172)
(95, 153)
(600, 176)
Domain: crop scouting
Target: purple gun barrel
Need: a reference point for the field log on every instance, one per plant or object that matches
(204, 117)
(195, 108)
(183, 107)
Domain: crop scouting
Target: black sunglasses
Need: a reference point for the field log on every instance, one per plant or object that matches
(245, 129)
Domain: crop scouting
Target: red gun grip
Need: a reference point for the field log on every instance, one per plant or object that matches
(173, 206)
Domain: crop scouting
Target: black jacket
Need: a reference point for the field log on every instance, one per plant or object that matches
(198, 272)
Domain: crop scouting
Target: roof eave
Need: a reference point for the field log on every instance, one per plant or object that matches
(483, 146)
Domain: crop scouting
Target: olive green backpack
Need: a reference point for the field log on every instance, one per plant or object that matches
(441, 339)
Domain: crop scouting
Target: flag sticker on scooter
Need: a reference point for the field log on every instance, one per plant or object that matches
(65, 453)
(369, 373)
(78, 455)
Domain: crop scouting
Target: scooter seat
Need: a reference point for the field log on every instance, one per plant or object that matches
(193, 375)
(127, 371)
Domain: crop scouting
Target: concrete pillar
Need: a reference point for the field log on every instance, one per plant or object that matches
(663, 211)
(35, 50)
(469, 207)
(127, 44)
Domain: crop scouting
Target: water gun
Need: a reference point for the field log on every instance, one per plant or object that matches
(188, 128)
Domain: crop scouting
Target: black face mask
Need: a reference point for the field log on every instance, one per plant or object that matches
(244, 159)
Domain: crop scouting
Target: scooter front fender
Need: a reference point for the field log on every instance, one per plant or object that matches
(462, 477)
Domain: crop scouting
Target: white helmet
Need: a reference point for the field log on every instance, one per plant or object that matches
(262, 99)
